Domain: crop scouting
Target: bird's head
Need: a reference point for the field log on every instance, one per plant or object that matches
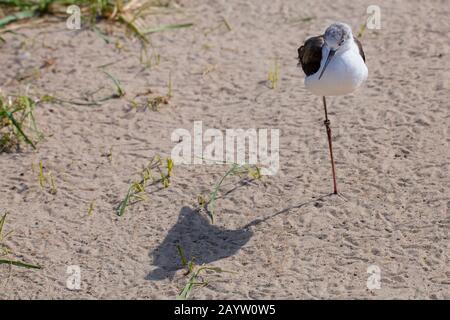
(336, 36)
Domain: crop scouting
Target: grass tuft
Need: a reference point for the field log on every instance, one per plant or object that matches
(5, 251)
(136, 191)
(125, 12)
(274, 75)
(17, 122)
(153, 102)
(46, 181)
(91, 208)
(208, 203)
(196, 279)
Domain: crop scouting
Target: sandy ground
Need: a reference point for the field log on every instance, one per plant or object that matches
(391, 143)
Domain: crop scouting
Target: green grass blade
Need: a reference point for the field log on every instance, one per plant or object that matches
(101, 34)
(19, 128)
(213, 195)
(184, 294)
(17, 3)
(134, 28)
(184, 261)
(20, 264)
(123, 205)
(167, 27)
(2, 222)
(120, 91)
(17, 16)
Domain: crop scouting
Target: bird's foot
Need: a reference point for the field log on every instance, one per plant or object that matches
(340, 195)
(327, 122)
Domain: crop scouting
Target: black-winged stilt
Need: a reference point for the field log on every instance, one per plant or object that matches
(334, 64)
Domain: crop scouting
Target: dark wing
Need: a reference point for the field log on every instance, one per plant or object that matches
(361, 52)
(310, 55)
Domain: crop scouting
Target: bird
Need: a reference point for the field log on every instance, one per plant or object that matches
(334, 64)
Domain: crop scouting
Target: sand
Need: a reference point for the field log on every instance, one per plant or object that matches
(280, 236)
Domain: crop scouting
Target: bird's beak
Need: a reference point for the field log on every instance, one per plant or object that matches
(330, 55)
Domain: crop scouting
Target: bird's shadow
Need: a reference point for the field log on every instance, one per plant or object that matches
(199, 239)
(202, 241)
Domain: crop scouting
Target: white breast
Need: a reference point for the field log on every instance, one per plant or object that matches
(344, 74)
